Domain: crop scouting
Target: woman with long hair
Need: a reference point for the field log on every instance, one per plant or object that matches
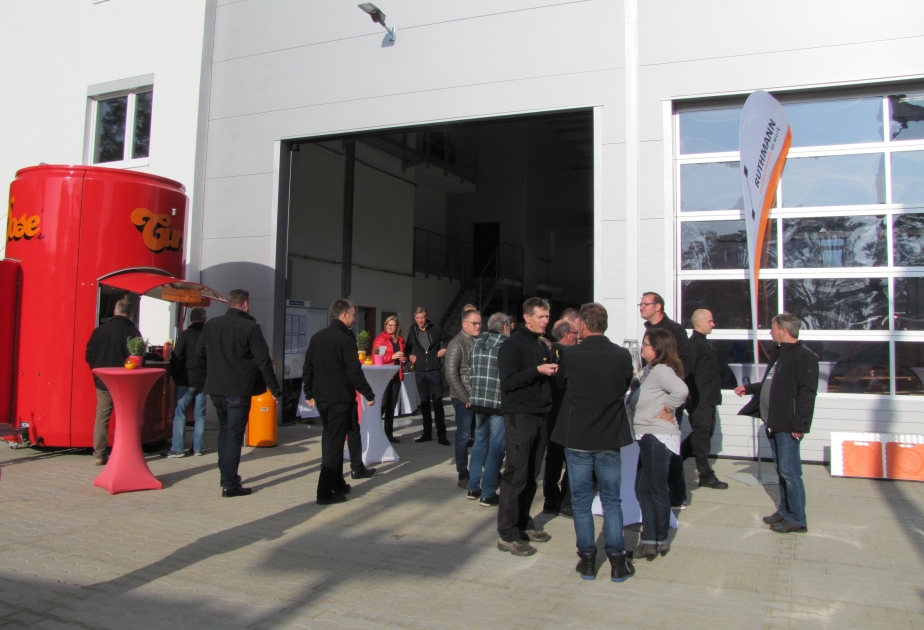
(660, 390)
(390, 339)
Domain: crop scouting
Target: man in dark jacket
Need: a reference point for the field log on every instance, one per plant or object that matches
(188, 371)
(705, 394)
(651, 308)
(785, 401)
(108, 348)
(332, 375)
(525, 365)
(564, 335)
(425, 346)
(239, 368)
(592, 427)
(457, 374)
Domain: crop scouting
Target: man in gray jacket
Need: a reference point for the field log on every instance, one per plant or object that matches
(457, 374)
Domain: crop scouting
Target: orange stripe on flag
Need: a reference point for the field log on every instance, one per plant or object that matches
(772, 184)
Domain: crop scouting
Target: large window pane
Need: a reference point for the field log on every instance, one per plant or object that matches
(838, 304)
(835, 242)
(909, 368)
(141, 143)
(710, 131)
(721, 245)
(834, 180)
(729, 301)
(908, 235)
(110, 130)
(908, 177)
(909, 303)
(907, 113)
(852, 367)
(736, 360)
(835, 122)
(713, 186)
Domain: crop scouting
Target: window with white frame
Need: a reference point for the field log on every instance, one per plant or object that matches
(845, 251)
(121, 128)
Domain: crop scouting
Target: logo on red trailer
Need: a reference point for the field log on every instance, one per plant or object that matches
(24, 227)
(156, 231)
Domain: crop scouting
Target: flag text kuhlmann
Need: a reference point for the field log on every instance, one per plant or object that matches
(770, 136)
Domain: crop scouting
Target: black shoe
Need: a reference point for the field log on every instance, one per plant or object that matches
(444, 441)
(470, 443)
(344, 490)
(462, 483)
(332, 499)
(776, 517)
(550, 508)
(491, 501)
(240, 491)
(566, 511)
(362, 473)
(587, 566)
(393, 439)
(620, 567)
(788, 527)
(474, 494)
(424, 438)
(712, 482)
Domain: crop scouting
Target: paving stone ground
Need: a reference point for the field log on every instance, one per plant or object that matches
(408, 550)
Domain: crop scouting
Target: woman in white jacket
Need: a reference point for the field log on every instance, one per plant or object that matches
(660, 391)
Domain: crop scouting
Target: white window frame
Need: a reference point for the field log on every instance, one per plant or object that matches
(130, 88)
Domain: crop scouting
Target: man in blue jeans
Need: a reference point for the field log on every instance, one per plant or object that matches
(785, 401)
(457, 375)
(239, 368)
(592, 427)
(488, 451)
(188, 371)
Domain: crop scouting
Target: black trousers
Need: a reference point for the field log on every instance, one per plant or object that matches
(525, 443)
(233, 413)
(676, 482)
(554, 464)
(699, 442)
(389, 400)
(337, 419)
(430, 388)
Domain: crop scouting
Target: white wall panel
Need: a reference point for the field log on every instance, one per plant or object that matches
(614, 178)
(615, 265)
(237, 205)
(651, 180)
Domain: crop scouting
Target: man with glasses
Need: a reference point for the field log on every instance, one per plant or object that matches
(557, 500)
(651, 308)
(457, 374)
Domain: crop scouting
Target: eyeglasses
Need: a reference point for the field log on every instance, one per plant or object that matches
(646, 345)
(476, 324)
(645, 304)
(571, 332)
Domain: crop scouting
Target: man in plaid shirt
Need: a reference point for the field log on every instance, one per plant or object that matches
(488, 452)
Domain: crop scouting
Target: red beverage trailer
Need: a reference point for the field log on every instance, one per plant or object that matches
(79, 238)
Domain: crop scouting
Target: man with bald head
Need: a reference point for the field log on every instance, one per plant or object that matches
(705, 394)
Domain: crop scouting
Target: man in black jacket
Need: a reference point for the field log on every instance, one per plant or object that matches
(525, 366)
(651, 308)
(108, 348)
(705, 394)
(239, 368)
(785, 401)
(592, 427)
(188, 371)
(425, 346)
(565, 335)
(332, 375)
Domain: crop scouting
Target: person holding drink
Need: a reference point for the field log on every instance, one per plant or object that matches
(391, 340)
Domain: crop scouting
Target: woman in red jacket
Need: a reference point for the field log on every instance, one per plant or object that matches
(391, 340)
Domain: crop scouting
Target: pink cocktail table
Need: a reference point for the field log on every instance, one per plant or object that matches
(127, 470)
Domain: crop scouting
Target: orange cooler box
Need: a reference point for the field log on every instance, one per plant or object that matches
(862, 459)
(261, 425)
(905, 460)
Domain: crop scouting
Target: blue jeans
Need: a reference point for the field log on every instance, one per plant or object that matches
(788, 461)
(487, 454)
(464, 417)
(651, 489)
(233, 412)
(185, 395)
(581, 468)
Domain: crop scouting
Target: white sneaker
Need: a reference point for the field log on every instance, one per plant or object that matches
(174, 454)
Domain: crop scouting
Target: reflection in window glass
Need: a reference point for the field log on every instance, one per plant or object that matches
(838, 303)
(908, 236)
(907, 113)
(835, 242)
(709, 131)
(736, 359)
(909, 368)
(846, 121)
(712, 186)
(908, 177)
(142, 137)
(721, 245)
(834, 180)
(110, 130)
(729, 301)
(909, 303)
(852, 367)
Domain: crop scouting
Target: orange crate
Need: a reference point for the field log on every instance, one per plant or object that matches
(862, 459)
(905, 460)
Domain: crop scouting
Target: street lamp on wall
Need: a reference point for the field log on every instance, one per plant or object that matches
(379, 18)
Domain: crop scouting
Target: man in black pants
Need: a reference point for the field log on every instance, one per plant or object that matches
(332, 375)
(651, 308)
(525, 366)
(425, 346)
(705, 394)
(239, 368)
(557, 498)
